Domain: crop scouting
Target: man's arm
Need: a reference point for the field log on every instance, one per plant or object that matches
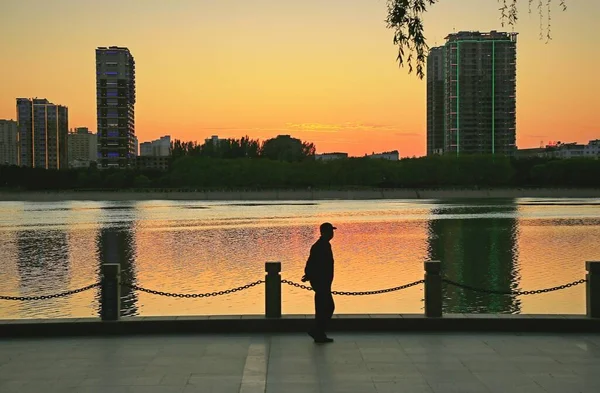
(309, 269)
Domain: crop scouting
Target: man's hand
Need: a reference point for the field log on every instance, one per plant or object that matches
(304, 278)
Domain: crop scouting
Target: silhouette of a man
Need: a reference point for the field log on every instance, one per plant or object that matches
(319, 271)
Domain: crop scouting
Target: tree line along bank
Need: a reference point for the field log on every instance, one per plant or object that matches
(205, 173)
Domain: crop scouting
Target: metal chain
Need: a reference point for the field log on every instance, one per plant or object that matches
(44, 297)
(518, 293)
(294, 284)
(193, 295)
(362, 293)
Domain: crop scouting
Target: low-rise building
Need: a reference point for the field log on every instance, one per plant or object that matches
(570, 150)
(159, 148)
(82, 147)
(563, 150)
(330, 156)
(592, 149)
(214, 140)
(393, 155)
(153, 162)
(532, 152)
(80, 164)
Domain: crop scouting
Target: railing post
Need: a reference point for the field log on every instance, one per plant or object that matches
(433, 289)
(111, 292)
(273, 290)
(593, 288)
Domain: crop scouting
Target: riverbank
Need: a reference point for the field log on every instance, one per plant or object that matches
(299, 195)
(299, 323)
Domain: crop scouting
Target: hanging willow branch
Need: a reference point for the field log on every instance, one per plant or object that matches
(405, 17)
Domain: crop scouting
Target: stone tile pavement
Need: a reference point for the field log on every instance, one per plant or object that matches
(290, 363)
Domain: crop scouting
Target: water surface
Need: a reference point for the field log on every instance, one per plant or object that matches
(191, 247)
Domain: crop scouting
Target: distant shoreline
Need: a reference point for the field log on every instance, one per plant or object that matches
(299, 195)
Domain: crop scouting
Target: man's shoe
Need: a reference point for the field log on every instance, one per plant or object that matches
(323, 340)
(319, 339)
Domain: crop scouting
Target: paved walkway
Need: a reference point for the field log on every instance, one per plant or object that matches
(365, 363)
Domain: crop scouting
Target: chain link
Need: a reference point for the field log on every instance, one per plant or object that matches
(361, 293)
(56, 295)
(517, 293)
(193, 295)
(295, 284)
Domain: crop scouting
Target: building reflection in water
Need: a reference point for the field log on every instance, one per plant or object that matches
(43, 265)
(116, 244)
(481, 252)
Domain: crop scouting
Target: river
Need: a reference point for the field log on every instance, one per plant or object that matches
(194, 247)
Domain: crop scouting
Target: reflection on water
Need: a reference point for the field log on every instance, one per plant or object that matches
(116, 244)
(196, 247)
(42, 261)
(490, 261)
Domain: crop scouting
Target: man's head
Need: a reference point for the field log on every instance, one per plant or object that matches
(327, 230)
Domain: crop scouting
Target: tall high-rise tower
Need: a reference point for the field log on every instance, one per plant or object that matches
(8, 142)
(435, 101)
(43, 129)
(115, 100)
(479, 93)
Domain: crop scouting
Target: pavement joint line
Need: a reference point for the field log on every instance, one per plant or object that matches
(254, 377)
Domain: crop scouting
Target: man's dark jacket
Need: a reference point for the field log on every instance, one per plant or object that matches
(319, 267)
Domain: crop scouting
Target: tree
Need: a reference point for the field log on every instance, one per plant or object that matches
(141, 181)
(286, 148)
(117, 179)
(182, 148)
(405, 17)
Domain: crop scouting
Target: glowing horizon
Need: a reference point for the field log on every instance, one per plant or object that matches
(324, 73)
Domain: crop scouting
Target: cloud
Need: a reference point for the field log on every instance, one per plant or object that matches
(347, 126)
(316, 128)
(237, 129)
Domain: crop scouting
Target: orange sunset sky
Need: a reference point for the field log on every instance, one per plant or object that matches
(323, 71)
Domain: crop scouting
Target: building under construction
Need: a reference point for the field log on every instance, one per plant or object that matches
(478, 80)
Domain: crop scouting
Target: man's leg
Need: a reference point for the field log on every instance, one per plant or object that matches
(329, 308)
(321, 313)
(324, 310)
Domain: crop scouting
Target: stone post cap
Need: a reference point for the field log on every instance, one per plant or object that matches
(273, 267)
(593, 267)
(433, 267)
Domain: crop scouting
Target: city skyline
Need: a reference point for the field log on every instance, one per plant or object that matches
(217, 68)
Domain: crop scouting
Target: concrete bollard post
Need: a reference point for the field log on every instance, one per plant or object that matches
(273, 290)
(433, 289)
(111, 292)
(593, 288)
